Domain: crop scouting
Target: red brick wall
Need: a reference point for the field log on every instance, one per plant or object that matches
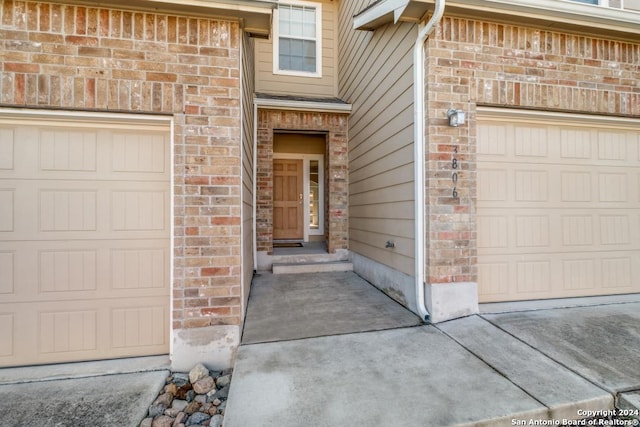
(473, 63)
(99, 59)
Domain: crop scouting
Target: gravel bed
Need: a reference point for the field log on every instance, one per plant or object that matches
(198, 398)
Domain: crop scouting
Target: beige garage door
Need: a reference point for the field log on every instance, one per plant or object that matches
(558, 206)
(84, 239)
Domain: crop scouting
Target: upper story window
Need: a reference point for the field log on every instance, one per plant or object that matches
(297, 45)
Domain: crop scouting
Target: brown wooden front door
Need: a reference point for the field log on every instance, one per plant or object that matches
(287, 199)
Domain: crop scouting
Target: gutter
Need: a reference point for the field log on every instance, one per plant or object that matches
(418, 147)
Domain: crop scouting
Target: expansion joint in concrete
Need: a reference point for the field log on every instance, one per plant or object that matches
(565, 366)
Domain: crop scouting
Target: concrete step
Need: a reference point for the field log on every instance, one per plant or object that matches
(313, 267)
(311, 258)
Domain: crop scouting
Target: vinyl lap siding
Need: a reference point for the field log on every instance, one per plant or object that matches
(247, 164)
(326, 86)
(376, 76)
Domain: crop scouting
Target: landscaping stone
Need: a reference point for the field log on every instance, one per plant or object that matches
(171, 388)
(164, 399)
(197, 373)
(192, 407)
(155, 410)
(197, 418)
(183, 390)
(181, 418)
(223, 381)
(183, 403)
(179, 404)
(162, 421)
(216, 421)
(171, 412)
(204, 385)
(180, 379)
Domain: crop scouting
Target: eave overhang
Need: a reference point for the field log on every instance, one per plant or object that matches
(302, 104)
(555, 14)
(255, 15)
(385, 12)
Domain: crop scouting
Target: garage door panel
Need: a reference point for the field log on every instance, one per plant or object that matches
(72, 270)
(577, 230)
(558, 219)
(138, 210)
(67, 331)
(579, 274)
(7, 208)
(84, 241)
(7, 267)
(576, 144)
(142, 268)
(90, 329)
(532, 141)
(68, 210)
(531, 185)
(6, 335)
(134, 327)
(618, 272)
(61, 152)
(532, 231)
(64, 271)
(576, 186)
(68, 150)
(135, 152)
(533, 276)
(6, 148)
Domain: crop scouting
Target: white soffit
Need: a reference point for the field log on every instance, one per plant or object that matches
(254, 14)
(297, 105)
(551, 11)
(387, 11)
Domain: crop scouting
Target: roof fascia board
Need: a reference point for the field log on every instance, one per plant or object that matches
(559, 11)
(318, 107)
(254, 14)
(378, 14)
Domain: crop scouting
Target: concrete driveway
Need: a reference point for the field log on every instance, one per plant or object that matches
(92, 394)
(491, 369)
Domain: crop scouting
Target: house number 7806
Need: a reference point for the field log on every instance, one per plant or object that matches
(454, 174)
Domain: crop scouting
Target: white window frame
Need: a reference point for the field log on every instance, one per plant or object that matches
(306, 158)
(276, 40)
(605, 3)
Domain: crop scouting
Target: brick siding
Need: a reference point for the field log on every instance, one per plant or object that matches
(101, 59)
(471, 63)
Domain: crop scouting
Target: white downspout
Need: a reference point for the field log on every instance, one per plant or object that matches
(419, 140)
(255, 185)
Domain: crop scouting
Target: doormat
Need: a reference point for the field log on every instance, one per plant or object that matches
(287, 245)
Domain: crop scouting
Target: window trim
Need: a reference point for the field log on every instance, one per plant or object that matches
(276, 40)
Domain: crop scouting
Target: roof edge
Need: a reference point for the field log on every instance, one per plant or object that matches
(319, 106)
(557, 11)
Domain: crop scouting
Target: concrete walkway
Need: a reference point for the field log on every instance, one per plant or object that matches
(490, 369)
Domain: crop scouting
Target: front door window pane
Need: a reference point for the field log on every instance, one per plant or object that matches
(314, 195)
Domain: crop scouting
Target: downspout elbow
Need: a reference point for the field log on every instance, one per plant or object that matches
(419, 140)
